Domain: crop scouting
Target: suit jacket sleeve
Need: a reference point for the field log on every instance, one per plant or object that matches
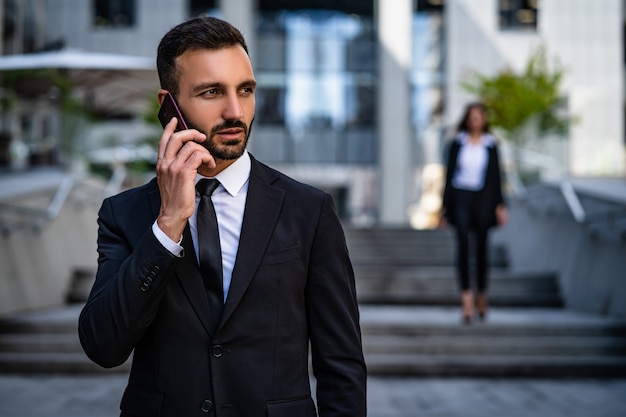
(130, 282)
(333, 317)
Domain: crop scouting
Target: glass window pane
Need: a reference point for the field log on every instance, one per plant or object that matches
(270, 104)
(518, 14)
(114, 13)
(318, 67)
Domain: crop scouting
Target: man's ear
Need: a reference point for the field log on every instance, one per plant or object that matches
(161, 95)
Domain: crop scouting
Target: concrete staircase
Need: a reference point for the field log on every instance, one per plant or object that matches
(410, 315)
(405, 266)
(410, 319)
(45, 341)
(513, 342)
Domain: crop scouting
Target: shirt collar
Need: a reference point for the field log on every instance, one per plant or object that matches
(487, 140)
(235, 175)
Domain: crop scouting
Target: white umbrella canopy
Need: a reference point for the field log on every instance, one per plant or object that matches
(110, 83)
(71, 58)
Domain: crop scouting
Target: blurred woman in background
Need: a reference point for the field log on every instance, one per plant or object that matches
(473, 202)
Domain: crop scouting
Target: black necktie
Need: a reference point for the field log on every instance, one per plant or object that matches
(209, 249)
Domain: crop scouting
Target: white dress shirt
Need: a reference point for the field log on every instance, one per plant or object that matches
(472, 163)
(229, 200)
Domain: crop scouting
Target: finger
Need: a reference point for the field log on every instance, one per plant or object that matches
(189, 158)
(189, 148)
(173, 143)
(202, 158)
(168, 130)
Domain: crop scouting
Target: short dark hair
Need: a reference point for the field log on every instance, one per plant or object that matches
(462, 127)
(198, 33)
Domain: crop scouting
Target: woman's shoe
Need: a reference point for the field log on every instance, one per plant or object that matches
(468, 306)
(481, 305)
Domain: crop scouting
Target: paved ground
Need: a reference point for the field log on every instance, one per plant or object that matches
(98, 396)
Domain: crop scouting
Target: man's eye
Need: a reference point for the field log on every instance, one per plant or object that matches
(211, 92)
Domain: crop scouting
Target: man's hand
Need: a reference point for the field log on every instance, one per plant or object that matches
(180, 155)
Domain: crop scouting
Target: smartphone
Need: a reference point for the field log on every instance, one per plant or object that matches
(170, 109)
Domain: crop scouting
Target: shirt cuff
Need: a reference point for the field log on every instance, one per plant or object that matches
(174, 247)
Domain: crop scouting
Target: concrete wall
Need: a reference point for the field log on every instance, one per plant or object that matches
(543, 236)
(71, 20)
(38, 257)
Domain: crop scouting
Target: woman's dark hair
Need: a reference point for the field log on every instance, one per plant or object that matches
(197, 33)
(462, 127)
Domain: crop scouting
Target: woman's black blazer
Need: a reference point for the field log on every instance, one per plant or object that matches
(492, 190)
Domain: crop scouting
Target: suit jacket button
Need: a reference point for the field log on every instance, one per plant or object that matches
(217, 351)
(207, 406)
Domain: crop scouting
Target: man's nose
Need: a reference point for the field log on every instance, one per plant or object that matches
(232, 108)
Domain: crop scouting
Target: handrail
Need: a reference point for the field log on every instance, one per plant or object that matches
(607, 220)
(572, 200)
(116, 180)
(32, 217)
(53, 209)
(520, 156)
(37, 214)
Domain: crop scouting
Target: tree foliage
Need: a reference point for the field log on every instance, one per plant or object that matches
(514, 100)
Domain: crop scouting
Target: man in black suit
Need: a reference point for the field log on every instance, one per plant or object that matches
(288, 283)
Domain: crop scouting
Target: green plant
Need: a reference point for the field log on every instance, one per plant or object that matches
(516, 100)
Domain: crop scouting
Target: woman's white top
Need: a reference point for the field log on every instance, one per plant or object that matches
(471, 162)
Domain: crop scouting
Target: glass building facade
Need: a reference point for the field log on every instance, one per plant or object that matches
(317, 75)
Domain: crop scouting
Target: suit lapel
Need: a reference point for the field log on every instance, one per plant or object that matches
(263, 205)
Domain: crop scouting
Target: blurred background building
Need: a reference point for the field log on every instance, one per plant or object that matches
(355, 97)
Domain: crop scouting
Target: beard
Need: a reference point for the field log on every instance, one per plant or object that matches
(231, 149)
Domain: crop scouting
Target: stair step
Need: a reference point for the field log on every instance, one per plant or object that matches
(537, 342)
(527, 345)
(405, 246)
(62, 319)
(57, 363)
(40, 342)
(408, 259)
(496, 366)
(488, 330)
(379, 254)
(405, 340)
(438, 286)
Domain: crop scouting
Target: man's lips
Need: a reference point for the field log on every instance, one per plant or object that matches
(230, 132)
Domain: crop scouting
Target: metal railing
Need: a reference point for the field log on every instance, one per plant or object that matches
(604, 218)
(15, 217)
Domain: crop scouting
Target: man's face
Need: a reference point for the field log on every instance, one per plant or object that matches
(216, 95)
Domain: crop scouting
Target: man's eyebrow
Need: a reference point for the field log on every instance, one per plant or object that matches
(206, 86)
(248, 83)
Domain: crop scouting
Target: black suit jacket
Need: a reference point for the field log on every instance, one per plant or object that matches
(491, 194)
(292, 287)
